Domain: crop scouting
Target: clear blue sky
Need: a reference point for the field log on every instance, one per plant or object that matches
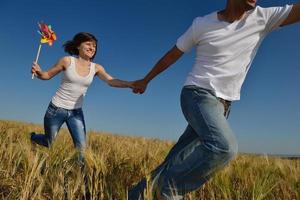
(133, 35)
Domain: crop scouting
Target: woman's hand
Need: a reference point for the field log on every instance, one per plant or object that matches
(36, 69)
(55, 69)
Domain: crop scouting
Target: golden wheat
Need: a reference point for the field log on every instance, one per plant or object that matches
(114, 163)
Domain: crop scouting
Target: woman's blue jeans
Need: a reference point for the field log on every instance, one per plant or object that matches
(54, 119)
(206, 145)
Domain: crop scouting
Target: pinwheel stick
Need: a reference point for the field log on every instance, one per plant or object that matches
(47, 36)
(37, 57)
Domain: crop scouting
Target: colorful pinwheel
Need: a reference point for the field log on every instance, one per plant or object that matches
(47, 36)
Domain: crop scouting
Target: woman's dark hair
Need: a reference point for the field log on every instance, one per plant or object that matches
(71, 47)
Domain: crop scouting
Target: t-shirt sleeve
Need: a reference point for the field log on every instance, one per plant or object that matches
(186, 41)
(274, 16)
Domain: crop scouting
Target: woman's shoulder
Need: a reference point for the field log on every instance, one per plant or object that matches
(66, 61)
(98, 67)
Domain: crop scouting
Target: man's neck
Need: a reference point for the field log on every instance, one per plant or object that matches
(233, 12)
(229, 16)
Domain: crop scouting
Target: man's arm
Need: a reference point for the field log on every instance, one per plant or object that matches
(165, 62)
(294, 15)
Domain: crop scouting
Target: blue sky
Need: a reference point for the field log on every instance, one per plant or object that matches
(133, 35)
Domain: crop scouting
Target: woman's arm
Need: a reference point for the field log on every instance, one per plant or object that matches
(103, 75)
(55, 69)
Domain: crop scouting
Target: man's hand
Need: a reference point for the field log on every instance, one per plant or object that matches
(139, 86)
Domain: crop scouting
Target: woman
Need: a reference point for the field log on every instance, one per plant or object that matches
(66, 104)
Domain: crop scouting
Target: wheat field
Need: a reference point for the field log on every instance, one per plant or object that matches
(114, 163)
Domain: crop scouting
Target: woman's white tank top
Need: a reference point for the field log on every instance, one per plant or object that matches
(73, 87)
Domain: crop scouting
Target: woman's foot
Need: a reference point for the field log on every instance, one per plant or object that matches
(32, 134)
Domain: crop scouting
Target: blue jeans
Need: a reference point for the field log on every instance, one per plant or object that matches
(54, 119)
(206, 145)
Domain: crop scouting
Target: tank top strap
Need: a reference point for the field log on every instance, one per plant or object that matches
(93, 68)
(72, 63)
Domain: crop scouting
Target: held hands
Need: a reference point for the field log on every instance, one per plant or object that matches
(35, 69)
(139, 86)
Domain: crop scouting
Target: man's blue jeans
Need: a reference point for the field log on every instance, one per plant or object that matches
(206, 145)
(54, 119)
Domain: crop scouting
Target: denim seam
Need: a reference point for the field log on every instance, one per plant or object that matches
(206, 124)
(209, 129)
(187, 172)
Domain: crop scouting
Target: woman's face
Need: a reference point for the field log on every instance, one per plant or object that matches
(87, 49)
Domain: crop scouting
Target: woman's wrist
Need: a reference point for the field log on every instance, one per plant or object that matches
(146, 80)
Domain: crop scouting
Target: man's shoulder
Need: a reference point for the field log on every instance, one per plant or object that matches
(258, 10)
(205, 18)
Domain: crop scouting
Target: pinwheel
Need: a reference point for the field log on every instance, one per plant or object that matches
(47, 36)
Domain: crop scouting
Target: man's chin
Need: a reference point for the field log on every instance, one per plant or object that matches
(250, 6)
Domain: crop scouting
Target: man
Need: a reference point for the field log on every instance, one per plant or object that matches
(226, 43)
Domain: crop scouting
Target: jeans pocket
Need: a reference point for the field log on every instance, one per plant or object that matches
(226, 105)
(51, 110)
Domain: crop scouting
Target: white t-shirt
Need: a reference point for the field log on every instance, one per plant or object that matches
(224, 51)
(73, 87)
